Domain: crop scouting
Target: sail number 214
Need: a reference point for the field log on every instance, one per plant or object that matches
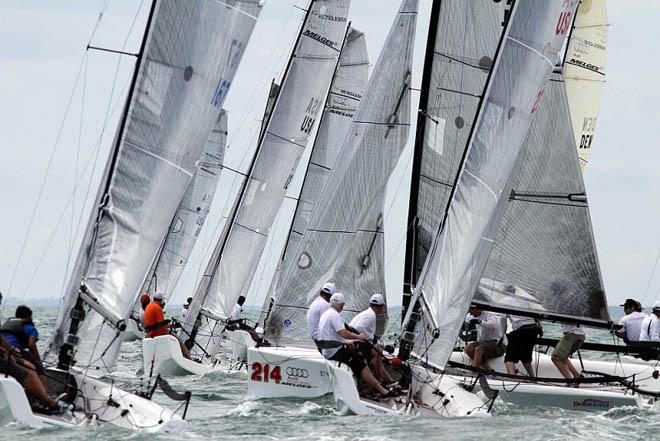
(263, 372)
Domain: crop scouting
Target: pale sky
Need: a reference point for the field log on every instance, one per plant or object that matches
(42, 44)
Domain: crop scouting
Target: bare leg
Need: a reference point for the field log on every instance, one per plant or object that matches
(469, 350)
(184, 350)
(369, 378)
(510, 367)
(479, 356)
(561, 367)
(571, 368)
(33, 386)
(379, 368)
(529, 368)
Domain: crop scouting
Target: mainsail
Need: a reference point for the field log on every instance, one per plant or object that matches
(187, 62)
(343, 241)
(346, 91)
(297, 107)
(584, 72)
(463, 38)
(524, 61)
(191, 214)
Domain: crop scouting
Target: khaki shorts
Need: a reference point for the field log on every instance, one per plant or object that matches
(492, 349)
(567, 346)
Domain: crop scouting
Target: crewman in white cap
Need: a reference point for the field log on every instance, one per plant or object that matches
(365, 323)
(318, 307)
(334, 341)
(650, 331)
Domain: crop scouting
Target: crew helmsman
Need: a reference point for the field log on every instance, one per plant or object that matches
(155, 322)
(631, 323)
(318, 307)
(335, 345)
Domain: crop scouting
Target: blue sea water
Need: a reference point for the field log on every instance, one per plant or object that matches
(220, 410)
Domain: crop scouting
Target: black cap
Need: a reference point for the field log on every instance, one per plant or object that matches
(630, 302)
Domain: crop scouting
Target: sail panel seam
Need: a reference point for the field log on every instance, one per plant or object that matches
(166, 161)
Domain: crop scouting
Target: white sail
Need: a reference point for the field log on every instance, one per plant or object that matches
(346, 91)
(526, 57)
(190, 215)
(187, 63)
(584, 72)
(343, 241)
(297, 107)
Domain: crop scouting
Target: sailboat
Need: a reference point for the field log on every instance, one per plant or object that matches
(236, 255)
(179, 84)
(544, 263)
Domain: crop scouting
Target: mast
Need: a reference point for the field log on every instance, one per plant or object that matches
(410, 267)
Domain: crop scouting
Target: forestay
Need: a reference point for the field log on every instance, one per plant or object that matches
(346, 91)
(584, 72)
(457, 64)
(190, 215)
(527, 54)
(344, 238)
(297, 107)
(188, 60)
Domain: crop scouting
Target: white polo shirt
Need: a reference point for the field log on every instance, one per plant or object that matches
(318, 307)
(236, 312)
(330, 323)
(365, 322)
(632, 325)
(649, 329)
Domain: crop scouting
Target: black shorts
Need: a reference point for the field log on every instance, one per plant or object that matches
(18, 372)
(352, 358)
(521, 344)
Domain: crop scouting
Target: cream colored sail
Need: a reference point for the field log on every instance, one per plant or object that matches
(584, 73)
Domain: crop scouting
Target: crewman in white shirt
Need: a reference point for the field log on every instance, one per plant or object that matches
(318, 307)
(334, 341)
(631, 322)
(365, 323)
(649, 330)
(490, 338)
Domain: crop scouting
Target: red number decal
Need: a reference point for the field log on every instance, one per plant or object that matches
(266, 371)
(275, 375)
(538, 100)
(256, 372)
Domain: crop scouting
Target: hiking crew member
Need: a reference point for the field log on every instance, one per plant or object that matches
(569, 343)
(318, 307)
(26, 374)
(650, 331)
(155, 323)
(186, 306)
(21, 334)
(490, 337)
(631, 322)
(365, 323)
(235, 321)
(521, 343)
(334, 344)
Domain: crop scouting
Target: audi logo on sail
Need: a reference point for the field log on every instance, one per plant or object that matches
(297, 372)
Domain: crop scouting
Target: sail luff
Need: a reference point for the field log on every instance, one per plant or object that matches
(533, 39)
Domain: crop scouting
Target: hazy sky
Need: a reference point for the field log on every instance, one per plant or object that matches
(42, 45)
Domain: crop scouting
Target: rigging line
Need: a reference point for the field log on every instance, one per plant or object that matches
(648, 284)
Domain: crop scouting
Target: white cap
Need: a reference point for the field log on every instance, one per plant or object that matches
(377, 299)
(329, 288)
(338, 298)
(259, 330)
(656, 305)
(158, 296)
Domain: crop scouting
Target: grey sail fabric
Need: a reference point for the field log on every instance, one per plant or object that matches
(525, 60)
(270, 103)
(298, 105)
(189, 58)
(191, 214)
(346, 91)
(466, 39)
(344, 238)
(544, 258)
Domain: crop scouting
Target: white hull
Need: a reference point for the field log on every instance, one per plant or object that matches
(138, 413)
(593, 397)
(278, 372)
(162, 355)
(132, 332)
